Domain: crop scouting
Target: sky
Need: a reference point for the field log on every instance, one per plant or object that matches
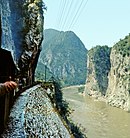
(95, 22)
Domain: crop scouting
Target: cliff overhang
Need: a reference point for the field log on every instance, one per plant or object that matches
(22, 34)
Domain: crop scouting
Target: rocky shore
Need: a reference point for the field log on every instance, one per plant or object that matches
(33, 116)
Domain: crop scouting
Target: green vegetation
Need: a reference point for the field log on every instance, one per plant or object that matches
(100, 58)
(40, 73)
(65, 56)
(64, 110)
(81, 89)
(123, 46)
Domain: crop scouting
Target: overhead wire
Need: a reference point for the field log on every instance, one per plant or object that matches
(69, 8)
(59, 12)
(62, 13)
(67, 14)
(78, 15)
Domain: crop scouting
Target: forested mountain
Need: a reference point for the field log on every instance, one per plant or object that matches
(65, 57)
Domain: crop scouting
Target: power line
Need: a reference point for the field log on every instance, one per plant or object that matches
(66, 9)
(62, 13)
(59, 11)
(78, 15)
(67, 13)
(73, 19)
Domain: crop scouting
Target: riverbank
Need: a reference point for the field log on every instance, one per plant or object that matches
(33, 115)
(80, 90)
(74, 86)
(98, 118)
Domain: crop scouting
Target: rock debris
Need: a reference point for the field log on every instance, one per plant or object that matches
(33, 116)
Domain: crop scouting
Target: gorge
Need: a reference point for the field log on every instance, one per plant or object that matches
(109, 73)
(106, 71)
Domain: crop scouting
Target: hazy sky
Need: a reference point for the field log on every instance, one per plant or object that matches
(95, 22)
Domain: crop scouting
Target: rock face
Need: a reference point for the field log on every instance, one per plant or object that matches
(34, 116)
(7, 38)
(22, 33)
(98, 66)
(118, 92)
(65, 56)
(109, 73)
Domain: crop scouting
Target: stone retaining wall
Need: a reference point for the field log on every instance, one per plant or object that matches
(34, 116)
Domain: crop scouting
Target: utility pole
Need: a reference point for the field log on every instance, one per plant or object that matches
(45, 72)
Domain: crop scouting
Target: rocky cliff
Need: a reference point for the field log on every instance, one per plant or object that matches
(65, 56)
(98, 66)
(109, 73)
(22, 33)
(118, 92)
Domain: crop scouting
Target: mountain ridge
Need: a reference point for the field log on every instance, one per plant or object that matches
(65, 56)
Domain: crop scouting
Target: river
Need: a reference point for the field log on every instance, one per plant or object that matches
(99, 119)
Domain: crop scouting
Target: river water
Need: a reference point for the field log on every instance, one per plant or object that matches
(99, 119)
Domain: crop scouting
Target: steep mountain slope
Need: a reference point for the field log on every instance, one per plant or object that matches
(109, 73)
(118, 92)
(98, 66)
(22, 33)
(65, 56)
